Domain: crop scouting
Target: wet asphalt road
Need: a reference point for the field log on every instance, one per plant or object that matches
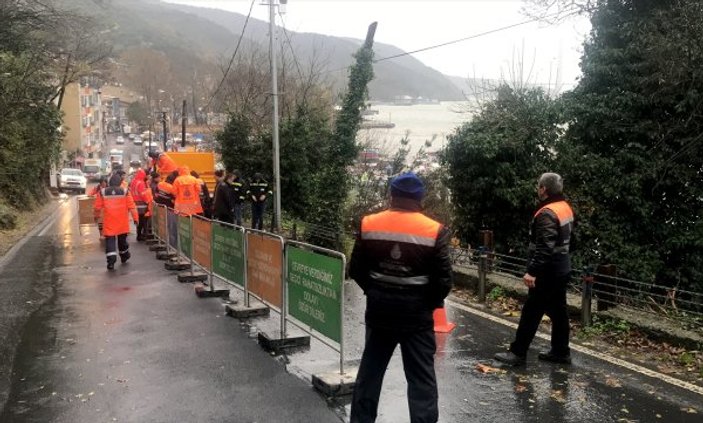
(137, 346)
(134, 345)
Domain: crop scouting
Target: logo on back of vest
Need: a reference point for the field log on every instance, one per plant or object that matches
(395, 252)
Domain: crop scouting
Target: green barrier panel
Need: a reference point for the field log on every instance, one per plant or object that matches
(228, 253)
(184, 237)
(315, 290)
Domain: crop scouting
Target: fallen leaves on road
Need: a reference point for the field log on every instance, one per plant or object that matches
(613, 382)
(690, 410)
(486, 369)
(558, 396)
(519, 388)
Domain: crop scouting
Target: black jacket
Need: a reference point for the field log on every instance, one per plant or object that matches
(549, 243)
(223, 207)
(397, 307)
(238, 191)
(257, 189)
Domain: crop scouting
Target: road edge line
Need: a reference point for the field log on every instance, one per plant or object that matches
(453, 302)
(39, 227)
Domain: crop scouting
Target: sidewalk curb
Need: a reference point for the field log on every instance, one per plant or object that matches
(38, 227)
(454, 302)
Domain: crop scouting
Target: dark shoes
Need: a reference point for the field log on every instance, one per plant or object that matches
(510, 358)
(553, 358)
(110, 265)
(124, 257)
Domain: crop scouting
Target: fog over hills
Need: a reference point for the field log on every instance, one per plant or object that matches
(194, 33)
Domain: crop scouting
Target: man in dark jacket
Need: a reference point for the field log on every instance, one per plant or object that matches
(401, 262)
(223, 207)
(238, 196)
(259, 192)
(547, 276)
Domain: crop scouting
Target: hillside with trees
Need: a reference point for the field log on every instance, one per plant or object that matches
(627, 140)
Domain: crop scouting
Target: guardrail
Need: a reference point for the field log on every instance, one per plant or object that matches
(301, 282)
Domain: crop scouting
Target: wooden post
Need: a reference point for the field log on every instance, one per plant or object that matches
(183, 125)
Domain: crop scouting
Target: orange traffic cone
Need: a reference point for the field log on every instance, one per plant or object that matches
(441, 324)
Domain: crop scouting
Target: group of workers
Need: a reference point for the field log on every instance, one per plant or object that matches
(182, 190)
(400, 260)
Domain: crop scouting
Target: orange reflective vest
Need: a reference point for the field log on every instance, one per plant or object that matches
(186, 189)
(149, 198)
(565, 215)
(561, 209)
(401, 226)
(113, 206)
(165, 164)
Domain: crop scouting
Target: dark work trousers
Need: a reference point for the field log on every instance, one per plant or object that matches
(238, 208)
(548, 296)
(115, 245)
(142, 227)
(418, 349)
(257, 215)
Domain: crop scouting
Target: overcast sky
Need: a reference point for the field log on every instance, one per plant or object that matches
(414, 24)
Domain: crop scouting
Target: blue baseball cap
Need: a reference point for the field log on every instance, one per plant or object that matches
(408, 185)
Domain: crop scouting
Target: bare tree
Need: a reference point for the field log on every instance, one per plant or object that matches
(78, 49)
(554, 11)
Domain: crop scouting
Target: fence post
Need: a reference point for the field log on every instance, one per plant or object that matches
(294, 234)
(586, 297)
(486, 244)
(482, 267)
(607, 287)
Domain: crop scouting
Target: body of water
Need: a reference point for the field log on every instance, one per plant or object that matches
(421, 121)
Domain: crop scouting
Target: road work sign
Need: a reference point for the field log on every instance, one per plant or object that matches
(228, 253)
(265, 267)
(172, 219)
(315, 290)
(202, 242)
(184, 235)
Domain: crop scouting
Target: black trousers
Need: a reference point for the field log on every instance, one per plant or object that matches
(112, 244)
(418, 349)
(547, 297)
(142, 227)
(257, 215)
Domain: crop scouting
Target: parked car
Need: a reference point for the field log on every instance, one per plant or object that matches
(119, 140)
(137, 140)
(72, 180)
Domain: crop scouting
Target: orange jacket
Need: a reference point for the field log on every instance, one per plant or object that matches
(149, 198)
(186, 189)
(114, 205)
(165, 164)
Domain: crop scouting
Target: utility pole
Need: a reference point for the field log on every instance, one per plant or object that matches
(274, 93)
(163, 123)
(183, 125)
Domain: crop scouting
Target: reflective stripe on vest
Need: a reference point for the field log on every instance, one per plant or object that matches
(401, 226)
(562, 210)
(399, 280)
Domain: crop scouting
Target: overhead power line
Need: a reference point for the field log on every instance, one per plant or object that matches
(234, 54)
(459, 40)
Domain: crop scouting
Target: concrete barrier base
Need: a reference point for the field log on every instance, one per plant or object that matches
(165, 255)
(334, 384)
(243, 312)
(177, 264)
(187, 277)
(273, 342)
(202, 291)
(152, 241)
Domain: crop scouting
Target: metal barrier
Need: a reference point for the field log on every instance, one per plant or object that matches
(228, 253)
(264, 264)
(315, 293)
